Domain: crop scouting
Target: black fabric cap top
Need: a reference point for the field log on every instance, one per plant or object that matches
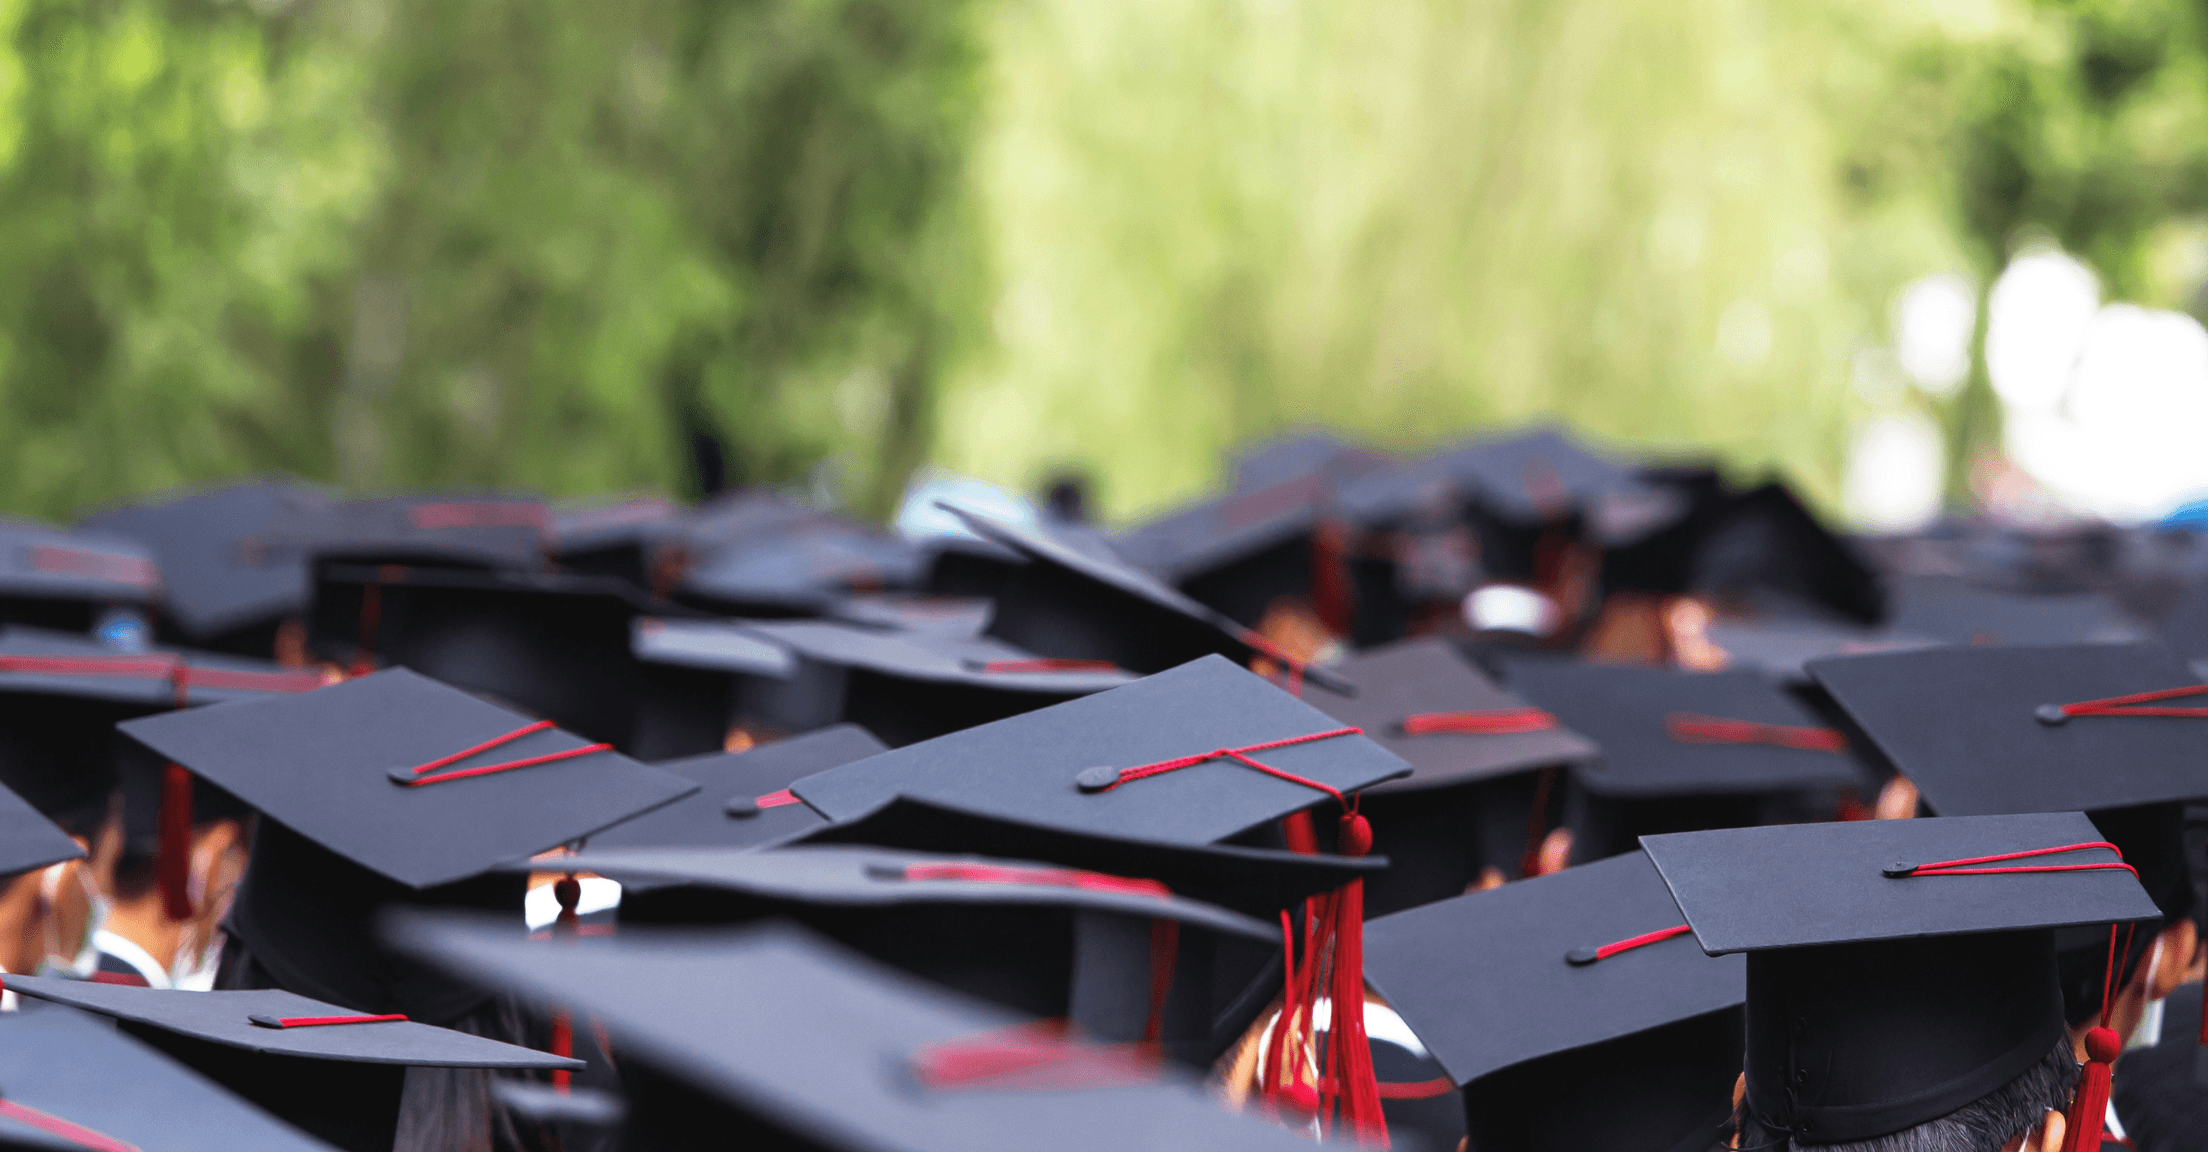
(227, 1018)
(83, 1072)
(322, 764)
(215, 578)
(714, 645)
(977, 661)
(725, 811)
(1068, 603)
(915, 612)
(34, 661)
(1256, 881)
(1890, 981)
(1782, 648)
(1631, 712)
(1962, 614)
(1427, 679)
(29, 840)
(39, 561)
(780, 1029)
(801, 568)
(1041, 767)
(1530, 999)
(1964, 725)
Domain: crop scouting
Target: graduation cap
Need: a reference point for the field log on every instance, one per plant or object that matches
(621, 538)
(1072, 604)
(29, 840)
(392, 788)
(553, 644)
(965, 566)
(1958, 613)
(69, 1082)
(1095, 764)
(453, 529)
(1764, 541)
(1986, 731)
(1680, 750)
(764, 554)
(963, 616)
(1780, 648)
(65, 580)
(1522, 479)
(221, 590)
(329, 1070)
(702, 675)
(1474, 750)
(742, 799)
(1899, 970)
(843, 1054)
(906, 687)
(1591, 1022)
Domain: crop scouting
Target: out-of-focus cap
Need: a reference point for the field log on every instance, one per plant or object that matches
(742, 798)
(41, 562)
(215, 576)
(1958, 613)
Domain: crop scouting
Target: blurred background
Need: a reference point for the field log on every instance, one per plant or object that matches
(1902, 254)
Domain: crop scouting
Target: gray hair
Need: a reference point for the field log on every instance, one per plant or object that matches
(1982, 1126)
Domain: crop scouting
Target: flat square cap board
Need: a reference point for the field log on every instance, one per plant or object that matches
(915, 612)
(1530, 998)
(322, 764)
(712, 645)
(80, 1070)
(39, 561)
(830, 1054)
(727, 810)
(29, 840)
(1803, 885)
(484, 529)
(841, 875)
(1765, 541)
(227, 1018)
(1959, 613)
(1445, 718)
(976, 662)
(1257, 881)
(1081, 584)
(1026, 767)
(1782, 648)
(36, 662)
(214, 578)
(639, 519)
(1964, 725)
(1668, 732)
(803, 568)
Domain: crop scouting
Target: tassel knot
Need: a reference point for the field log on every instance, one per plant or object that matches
(1355, 838)
(2089, 1108)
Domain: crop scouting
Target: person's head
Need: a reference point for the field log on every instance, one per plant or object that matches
(2024, 1115)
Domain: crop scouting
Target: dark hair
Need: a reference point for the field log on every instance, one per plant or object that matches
(1982, 1126)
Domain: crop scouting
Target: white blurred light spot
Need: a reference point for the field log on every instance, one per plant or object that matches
(2122, 437)
(919, 519)
(1510, 608)
(1895, 468)
(1932, 328)
(1744, 333)
(540, 907)
(2036, 320)
(1877, 376)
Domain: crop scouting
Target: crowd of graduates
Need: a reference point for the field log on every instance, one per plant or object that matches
(1518, 795)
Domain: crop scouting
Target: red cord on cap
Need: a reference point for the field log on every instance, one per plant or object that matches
(1043, 877)
(107, 566)
(150, 668)
(1960, 867)
(417, 776)
(1041, 1056)
(777, 799)
(1688, 728)
(76, 1134)
(1417, 1089)
(2123, 705)
(320, 1021)
(1238, 755)
(1489, 722)
(1582, 956)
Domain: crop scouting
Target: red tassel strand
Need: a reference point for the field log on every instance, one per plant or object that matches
(173, 851)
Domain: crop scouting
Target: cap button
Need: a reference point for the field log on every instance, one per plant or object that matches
(1096, 779)
(876, 870)
(265, 1021)
(2051, 715)
(1581, 956)
(402, 776)
(740, 807)
(1898, 869)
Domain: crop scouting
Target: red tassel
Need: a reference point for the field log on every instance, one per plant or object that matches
(173, 856)
(2089, 1108)
(1349, 1075)
(1331, 597)
(569, 892)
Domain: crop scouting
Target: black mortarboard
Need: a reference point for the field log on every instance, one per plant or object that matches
(552, 644)
(338, 1081)
(454, 529)
(29, 840)
(1054, 766)
(1780, 648)
(965, 566)
(1522, 479)
(1036, 938)
(725, 811)
(1895, 974)
(75, 1071)
(700, 676)
(620, 538)
(1680, 750)
(1958, 613)
(1555, 1047)
(1473, 749)
(53, 578)
(905, 687)
(341, 833)
(915, 612)
(1764, 541)
(763, 554)
(1072, 604)
(829, 1056)
(221, 588)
